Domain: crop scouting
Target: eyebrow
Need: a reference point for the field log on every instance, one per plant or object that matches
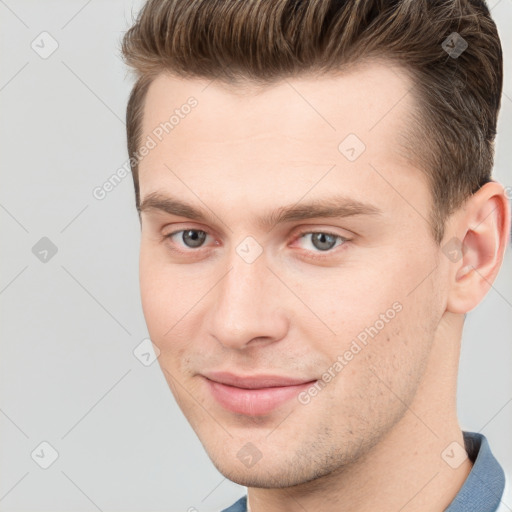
(337, 206)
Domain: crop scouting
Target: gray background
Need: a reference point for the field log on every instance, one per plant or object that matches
(70, 324)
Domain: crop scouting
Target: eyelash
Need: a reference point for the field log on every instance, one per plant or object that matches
(318, 255)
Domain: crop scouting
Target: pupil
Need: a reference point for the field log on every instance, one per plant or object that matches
(323, 241)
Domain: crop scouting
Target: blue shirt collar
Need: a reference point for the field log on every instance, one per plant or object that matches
(483, 488)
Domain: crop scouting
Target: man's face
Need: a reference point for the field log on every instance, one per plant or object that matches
(228, 296)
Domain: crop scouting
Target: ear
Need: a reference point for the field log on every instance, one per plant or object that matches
(477, 249)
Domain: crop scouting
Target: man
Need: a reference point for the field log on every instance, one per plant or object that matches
(318, 215)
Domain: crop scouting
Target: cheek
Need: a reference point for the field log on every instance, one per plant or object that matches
(378, 378)
(382, 321)
(163, 293)
(393, 349)
(352, 303)
(153, 298)
(168, 298)
(161, 300)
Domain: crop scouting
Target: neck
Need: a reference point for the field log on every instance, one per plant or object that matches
(412, 468)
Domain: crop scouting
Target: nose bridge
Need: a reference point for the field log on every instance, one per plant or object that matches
(245, 303)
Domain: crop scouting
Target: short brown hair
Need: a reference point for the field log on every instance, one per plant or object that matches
(262, 41)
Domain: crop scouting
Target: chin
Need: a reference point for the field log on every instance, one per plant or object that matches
(261, 478)
(268, 474)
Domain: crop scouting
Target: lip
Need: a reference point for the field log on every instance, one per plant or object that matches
(254, 395)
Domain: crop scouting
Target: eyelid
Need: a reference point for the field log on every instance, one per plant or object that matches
(301, 232)
(177, 227)
(326, 231)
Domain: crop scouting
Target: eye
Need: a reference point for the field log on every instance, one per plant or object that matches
(314, 241)
(321, 241)
(190, 238)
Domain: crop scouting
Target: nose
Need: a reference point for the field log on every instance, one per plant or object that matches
(248, 306)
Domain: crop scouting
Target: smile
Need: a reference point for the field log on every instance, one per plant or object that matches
(253, 396)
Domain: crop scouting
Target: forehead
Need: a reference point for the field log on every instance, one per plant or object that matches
(281, 138)
(356, 99)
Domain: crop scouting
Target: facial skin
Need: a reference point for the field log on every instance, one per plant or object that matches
(372, 438)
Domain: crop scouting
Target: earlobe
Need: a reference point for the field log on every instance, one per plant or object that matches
(483, 234)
